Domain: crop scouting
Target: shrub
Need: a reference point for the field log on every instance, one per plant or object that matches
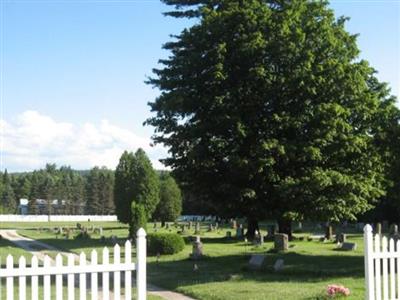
(164, 243)
(83, 235)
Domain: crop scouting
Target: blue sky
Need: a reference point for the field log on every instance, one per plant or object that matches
(73, 74)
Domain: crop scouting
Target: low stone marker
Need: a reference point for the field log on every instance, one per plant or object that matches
(279, 264)
(197, 230)
(281, 242)
(233, 224)
(197, 250)
(341, 238)
(256, 261)
(349, 246)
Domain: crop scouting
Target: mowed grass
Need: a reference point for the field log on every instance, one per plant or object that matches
(224, 274)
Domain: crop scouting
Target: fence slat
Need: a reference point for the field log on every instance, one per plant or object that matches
(93, 260)
(378, 285)
(141, 264)
(128, 274)
(59, 289)
(369, 262)
(392, 270)
(22, 279)
(117, 274)
(34, 279)
(9, 280)
(71, 278)
(82, 270)
(385, 269)
(106, 292)
(82, 278)
(46, 280)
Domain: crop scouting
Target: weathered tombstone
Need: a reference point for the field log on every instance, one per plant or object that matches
(228, 234)
(197, 250)
(378, 228)
(341, 238)
(197, 230)
(183, 228)
(349, 246)
(279, 264)
(190, 225)
(210, 228)
(233, 224)
(281, 242)
(261, 240)
(328, 232)
(216, 225)
(256, 261)
(100, 230)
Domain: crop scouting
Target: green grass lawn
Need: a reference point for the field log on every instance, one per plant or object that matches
(223, 274)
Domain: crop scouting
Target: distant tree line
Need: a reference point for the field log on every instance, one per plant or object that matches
(59, 191)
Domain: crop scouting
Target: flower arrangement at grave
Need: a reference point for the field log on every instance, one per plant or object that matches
(334, 291)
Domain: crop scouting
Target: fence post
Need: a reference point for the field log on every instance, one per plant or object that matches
(368, 262)
(141, 264)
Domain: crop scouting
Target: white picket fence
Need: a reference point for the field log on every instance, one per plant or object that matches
(83, 268)
(382, 266)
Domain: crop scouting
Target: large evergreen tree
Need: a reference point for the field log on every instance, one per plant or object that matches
(135, 181)
(267, 111)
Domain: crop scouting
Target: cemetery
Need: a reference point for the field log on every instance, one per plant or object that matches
(212, 265)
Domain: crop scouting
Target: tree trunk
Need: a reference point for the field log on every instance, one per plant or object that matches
(252, 226)
(285, 226)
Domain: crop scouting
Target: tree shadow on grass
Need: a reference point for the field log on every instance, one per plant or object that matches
(298, 268)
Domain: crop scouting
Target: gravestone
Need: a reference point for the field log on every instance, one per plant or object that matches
(378, 228)
(328, 232)
(210, 228)
(216, 225)
(281, 242)
(256, 261)
(183, 228)
(190, 225)
(349, 246)
(233, 224)
(197, 230)
(341, 238)
(197, 250)
(228, 234)
(279, 264)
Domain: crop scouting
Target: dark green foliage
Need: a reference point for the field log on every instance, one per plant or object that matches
(139, 218)
(170, 206)
(100, 191)
(82, 235)
(164, 243)
(135, 180)
(267, 111)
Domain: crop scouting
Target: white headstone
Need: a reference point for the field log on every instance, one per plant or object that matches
(279, 264)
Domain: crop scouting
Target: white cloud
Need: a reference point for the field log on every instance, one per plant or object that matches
(33, 140)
